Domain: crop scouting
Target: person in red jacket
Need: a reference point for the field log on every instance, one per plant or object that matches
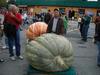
(12, 22)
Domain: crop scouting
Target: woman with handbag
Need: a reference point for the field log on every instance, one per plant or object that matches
(12, 22)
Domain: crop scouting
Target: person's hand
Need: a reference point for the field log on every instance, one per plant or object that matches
(2, 27)
(12, 14)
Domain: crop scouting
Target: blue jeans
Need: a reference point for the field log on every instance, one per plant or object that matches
(6, 41)
(14, 40)
(98, 57)
(85, 31)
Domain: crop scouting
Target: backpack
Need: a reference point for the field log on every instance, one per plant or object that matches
(9, 29)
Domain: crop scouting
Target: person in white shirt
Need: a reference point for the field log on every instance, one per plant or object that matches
(79, 22)
(56, 24)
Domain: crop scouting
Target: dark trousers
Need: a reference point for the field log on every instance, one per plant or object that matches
(79, 23)
(85, 32)
(98, 57)
(81, 27)
(14, 40)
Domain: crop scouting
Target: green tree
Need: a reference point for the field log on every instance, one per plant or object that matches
(12, 2)
(3, 2)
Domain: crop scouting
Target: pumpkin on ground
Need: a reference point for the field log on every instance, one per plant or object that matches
(36, 29)
(50, 53)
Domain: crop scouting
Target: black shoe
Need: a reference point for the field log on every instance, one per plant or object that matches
(85, 40)
(1, 60)
(98, 65)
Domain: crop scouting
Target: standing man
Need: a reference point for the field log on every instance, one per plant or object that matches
(12, 22)
(56, 24)
(97, 37)
(69, 14)
(73, 15)
(47, 17)
(86, 21)
(65, 20)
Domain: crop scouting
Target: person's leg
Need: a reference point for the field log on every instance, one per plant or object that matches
(17, 45)
(6, 41)
(5, 46)
(86, 32)
(0, 41)
(1, 35)
(65, 31)
(1, 60)
(98, 57)
(78, 25)
(81, 26)
(10, 44)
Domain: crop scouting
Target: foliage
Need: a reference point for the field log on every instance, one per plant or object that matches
(3, 3)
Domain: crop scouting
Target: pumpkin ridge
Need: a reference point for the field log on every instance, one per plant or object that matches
(42, 47)
(42, 64)
(56, 42)
(68, 49)
(31, 47)
(39, 41)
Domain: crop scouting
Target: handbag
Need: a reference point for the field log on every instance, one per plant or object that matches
(9, 29)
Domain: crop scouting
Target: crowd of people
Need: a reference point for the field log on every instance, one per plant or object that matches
(57, 23)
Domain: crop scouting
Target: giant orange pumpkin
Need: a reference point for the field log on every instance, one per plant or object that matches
(36, 29)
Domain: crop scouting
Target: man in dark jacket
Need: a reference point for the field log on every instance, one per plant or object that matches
(97, 37)
(47, 17)
(56, 24)
(86, 21)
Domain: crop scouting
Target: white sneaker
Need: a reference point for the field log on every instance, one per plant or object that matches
(12, 58)
(13, 47)
(20, 57)
(5, 47)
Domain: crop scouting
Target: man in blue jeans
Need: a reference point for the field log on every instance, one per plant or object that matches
(12, 23)
(97, 37)
(86, 21)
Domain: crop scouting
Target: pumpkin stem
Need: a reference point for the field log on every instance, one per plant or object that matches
(59, 61)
